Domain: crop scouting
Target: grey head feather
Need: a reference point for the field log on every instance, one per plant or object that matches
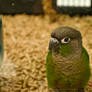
(60, 33)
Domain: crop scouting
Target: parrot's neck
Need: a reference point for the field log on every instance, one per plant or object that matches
(72, 56)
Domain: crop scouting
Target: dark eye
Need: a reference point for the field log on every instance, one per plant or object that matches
(65, 40)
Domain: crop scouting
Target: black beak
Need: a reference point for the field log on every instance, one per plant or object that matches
(53, 45)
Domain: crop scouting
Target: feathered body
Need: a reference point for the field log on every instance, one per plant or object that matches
(67, 64)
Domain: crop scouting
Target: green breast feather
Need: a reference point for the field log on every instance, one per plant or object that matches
(52, 77)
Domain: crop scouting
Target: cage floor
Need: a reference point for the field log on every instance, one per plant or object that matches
(26, 44)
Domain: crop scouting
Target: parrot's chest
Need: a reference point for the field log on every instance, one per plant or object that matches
(68, 69)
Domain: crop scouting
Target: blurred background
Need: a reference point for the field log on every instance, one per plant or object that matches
(26, 38)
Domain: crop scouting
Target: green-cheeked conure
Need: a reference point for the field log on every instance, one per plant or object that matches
(67, 66)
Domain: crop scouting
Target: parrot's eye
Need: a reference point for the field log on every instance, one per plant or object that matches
(54, 40)
(65, 40)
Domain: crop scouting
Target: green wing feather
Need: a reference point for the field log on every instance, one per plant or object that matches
(49, 70)
(87, 73)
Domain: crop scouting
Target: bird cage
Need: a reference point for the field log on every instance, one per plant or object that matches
(73, 6)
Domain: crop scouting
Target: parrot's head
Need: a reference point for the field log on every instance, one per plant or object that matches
(65, 40)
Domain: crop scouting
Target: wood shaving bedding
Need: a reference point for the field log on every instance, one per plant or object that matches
(26, 39)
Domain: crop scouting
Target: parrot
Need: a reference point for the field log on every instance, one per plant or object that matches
(1, 42)
(67, 61)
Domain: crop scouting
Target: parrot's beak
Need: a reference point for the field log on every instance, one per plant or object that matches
(53, 44)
